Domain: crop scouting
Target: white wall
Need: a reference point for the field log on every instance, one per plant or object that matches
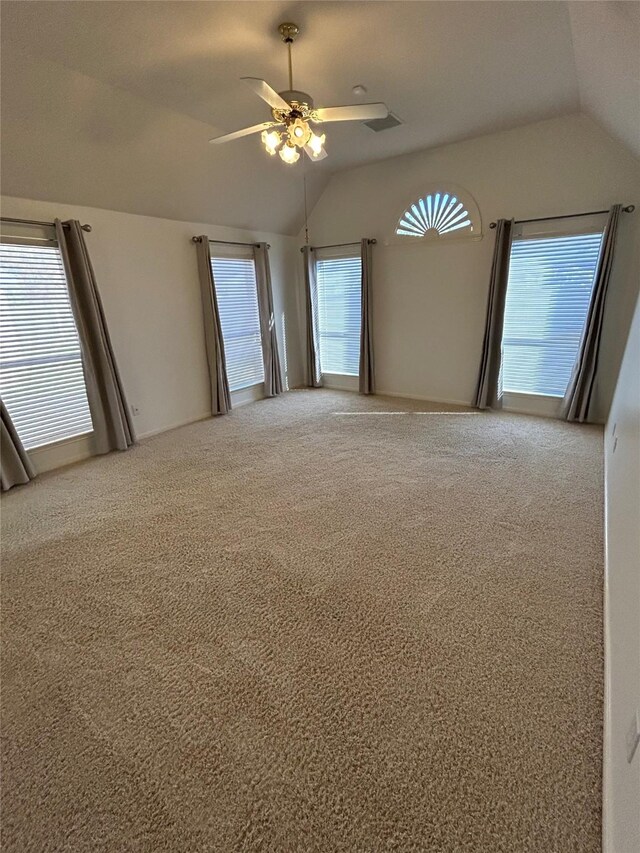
(621, 794)
(147, 275)
(430, 300)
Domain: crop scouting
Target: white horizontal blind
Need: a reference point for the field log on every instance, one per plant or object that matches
(548, 293)
(237, 295)
(41, 377)
(339, 313)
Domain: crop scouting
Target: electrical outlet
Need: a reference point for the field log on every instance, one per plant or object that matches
(633, 736)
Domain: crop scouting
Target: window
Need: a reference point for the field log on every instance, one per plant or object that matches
(339, 282)
(237, 296)
(548, 293)
(442, 212)
(41, 376)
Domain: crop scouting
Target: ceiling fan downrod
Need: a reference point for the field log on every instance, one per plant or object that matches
(289, 32)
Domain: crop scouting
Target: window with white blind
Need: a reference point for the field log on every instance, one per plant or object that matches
(237, 296)
(444, 212)
(41, 377)
(339, 281)
(548, 294)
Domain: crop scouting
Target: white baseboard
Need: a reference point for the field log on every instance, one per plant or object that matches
(150, 433)
(380, 393)
(238, 399)
(607, 734)
(440, 400)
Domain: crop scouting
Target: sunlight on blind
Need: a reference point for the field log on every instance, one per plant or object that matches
(548, 294)
(339, 303)
(237, 295)
(41, 377)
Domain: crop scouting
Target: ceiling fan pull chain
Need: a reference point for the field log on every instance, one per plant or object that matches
(306, 217)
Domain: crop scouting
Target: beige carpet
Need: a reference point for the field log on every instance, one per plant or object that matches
(292, 629)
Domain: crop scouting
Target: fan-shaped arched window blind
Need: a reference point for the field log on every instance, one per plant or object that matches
(440, 213)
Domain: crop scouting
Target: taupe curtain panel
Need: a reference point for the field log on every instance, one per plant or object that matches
(367, 383)
(489, 388)
(314, 374)
(15, 465)
(577, 399)
(270, 354)
(220, 395)
(112, 425)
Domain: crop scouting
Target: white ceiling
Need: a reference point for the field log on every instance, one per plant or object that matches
(606, 42)
(111, 104)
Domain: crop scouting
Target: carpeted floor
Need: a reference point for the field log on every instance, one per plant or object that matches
(292, 629)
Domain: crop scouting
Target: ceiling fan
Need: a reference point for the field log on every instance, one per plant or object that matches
(293, 112)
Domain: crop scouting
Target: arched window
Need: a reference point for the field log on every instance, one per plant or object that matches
(443, 212)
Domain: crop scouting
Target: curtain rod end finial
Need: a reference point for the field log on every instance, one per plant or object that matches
(629, 208)
(86, 228)
(492, 224)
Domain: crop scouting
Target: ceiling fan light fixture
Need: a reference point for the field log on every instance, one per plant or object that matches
(299, 133)
(316, 144)
(289, 153)
(271, 140)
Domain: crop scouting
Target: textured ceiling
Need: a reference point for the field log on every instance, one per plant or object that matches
(111, 104)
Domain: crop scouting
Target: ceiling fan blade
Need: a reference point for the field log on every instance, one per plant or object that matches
(355, 112)
(246, 131)
(263, 90)
(315, 157)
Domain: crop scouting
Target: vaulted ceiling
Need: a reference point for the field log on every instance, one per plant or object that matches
(111, 104)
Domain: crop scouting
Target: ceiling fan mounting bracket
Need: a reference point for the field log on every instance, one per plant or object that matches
(288, 32)
(298, 109)
(297, 99)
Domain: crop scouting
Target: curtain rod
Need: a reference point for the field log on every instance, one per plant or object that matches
(340, 245)
(36, 222)
(228, 242)
(628, 209)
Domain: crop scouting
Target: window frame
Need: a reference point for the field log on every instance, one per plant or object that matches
(344, 381)
(547, 405)
(245, 253)
(441, 187)
(43, 237)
